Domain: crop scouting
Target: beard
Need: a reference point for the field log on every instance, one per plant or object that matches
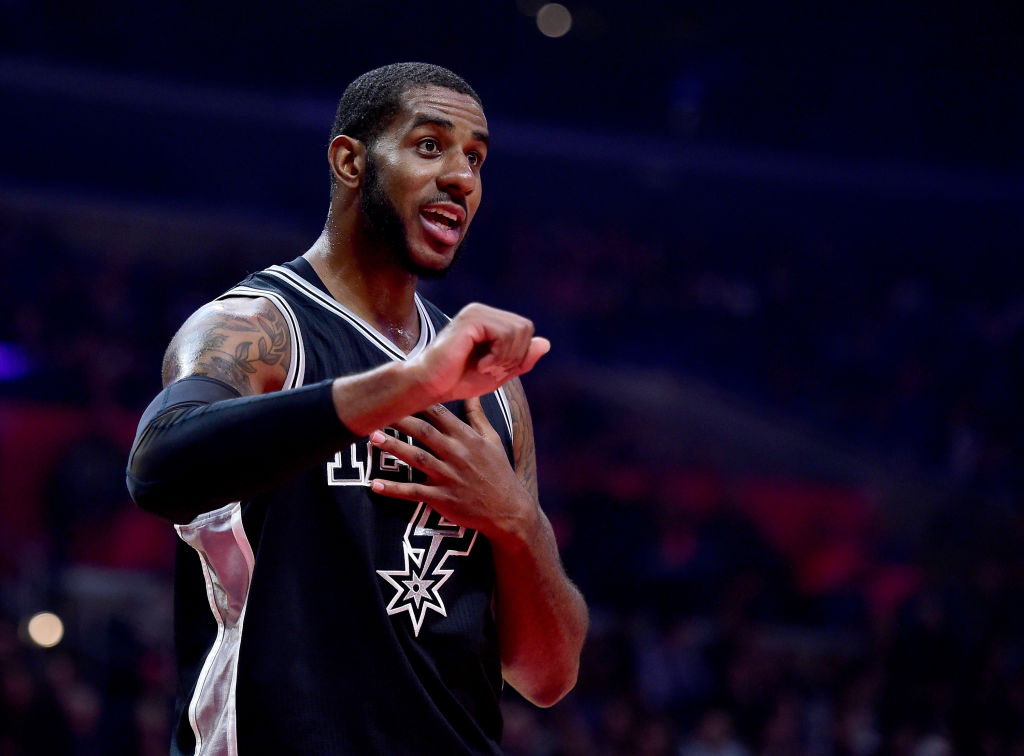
(386, 223)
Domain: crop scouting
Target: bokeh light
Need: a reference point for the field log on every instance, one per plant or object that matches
(554, 20)
(45, 629)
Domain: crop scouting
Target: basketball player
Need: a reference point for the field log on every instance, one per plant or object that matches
(362, 557)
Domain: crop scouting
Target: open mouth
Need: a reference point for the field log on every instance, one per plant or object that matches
(442, 223)
(442, 217)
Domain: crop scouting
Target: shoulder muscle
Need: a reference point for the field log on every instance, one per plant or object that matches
(242, 342)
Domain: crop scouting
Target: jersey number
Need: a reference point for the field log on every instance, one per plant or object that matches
(362, 462)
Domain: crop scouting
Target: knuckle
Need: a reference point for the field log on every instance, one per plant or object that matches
(422, 431)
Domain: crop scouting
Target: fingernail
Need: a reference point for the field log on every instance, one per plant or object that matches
(377, 486)
(377, 437)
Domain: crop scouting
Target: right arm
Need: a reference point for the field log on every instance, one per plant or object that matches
(223, 430)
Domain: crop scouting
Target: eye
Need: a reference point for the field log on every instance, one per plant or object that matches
(429, 145)
(475, 158)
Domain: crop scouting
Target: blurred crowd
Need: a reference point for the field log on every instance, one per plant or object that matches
(732, 612)
(913, 348)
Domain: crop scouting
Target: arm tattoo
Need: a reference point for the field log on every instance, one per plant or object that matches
(523, 446)
(220, 355)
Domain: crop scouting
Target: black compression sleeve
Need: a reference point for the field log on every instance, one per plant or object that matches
(200, 445)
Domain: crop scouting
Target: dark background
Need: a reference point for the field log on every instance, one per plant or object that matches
(777, 250)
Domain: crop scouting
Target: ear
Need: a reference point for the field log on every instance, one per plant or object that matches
(347, 157)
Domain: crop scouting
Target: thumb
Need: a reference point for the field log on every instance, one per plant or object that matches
(478, 419)
(539, 346)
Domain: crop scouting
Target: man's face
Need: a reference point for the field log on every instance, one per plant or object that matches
(422, 181)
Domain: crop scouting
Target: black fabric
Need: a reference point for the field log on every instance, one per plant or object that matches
(201, 445)
(335, 658)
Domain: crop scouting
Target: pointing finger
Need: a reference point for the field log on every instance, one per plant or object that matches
(413, 456)
(443, 419)
(421, 430)
(433, 426)
(407, 491)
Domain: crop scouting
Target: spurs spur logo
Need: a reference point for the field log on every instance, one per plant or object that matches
(429, 542)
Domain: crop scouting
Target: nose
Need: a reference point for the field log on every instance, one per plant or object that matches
(458, 175)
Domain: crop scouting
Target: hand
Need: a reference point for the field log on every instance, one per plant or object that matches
(478, 351)
(469, 480)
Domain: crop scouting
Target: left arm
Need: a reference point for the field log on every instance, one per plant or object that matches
(541, 616)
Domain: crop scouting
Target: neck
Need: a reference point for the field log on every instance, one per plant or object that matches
(362, 275)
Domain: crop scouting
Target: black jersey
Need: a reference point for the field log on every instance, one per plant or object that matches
(321, 618)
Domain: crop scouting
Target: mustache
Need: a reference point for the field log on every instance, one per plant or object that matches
(442, 197)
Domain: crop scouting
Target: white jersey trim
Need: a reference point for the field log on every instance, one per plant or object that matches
(227, 559)
(297, 369)
(506, 412)
(371, 334)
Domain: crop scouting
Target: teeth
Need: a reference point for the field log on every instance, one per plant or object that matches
(451, 217)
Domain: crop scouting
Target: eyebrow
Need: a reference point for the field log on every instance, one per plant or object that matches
(444, 123)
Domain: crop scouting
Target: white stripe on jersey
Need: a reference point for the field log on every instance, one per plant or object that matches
(372, 335)
(227, 560)
(297, 368)
(506, 411)
(224, 550)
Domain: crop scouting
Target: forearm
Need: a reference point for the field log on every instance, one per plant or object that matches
(542, 618)
(373, 400)
(200, 445)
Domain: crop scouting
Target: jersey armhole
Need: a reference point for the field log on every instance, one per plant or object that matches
(297, 366)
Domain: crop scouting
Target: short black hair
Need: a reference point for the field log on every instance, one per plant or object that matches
(370, 102)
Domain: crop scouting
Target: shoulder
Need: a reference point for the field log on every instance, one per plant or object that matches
(242, 341)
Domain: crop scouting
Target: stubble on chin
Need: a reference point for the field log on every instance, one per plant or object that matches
(383, 220)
